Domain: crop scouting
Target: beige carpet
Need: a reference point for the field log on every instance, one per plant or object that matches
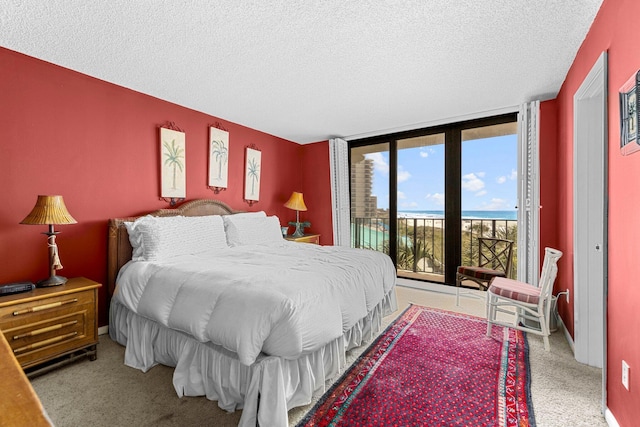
(107, 393)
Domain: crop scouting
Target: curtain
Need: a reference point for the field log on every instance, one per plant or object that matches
(340, 199)
(528, 193)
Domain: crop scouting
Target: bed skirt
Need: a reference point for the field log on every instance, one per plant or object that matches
(205, 369)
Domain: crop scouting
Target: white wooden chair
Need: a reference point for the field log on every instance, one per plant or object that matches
(530, 302)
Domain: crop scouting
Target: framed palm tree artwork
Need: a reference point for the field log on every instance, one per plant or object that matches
(218, 159)
(630, 115)
(253, 160)
(173, 176)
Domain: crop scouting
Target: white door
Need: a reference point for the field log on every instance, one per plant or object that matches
(590, 215)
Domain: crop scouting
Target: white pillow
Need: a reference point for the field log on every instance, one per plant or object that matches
(162, 238)
(249, 214)
(252, 230)
(135, 239)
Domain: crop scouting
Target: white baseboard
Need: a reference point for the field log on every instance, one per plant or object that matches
(102, 330)
(427, 286)
(567, 335)
(610, 419)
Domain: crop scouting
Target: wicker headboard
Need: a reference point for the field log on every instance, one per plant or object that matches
(119, 249)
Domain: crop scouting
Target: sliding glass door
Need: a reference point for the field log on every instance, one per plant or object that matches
(421, 200)
(489, 188)
(370, 198)
(414, 194)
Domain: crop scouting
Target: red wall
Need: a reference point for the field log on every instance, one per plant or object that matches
(613, 30)
(316, 177)
(549, 224)
(96, 144)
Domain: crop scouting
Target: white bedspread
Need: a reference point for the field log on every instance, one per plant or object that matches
(284, 300)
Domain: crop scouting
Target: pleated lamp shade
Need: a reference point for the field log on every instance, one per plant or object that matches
(49, 210)
(296, 202)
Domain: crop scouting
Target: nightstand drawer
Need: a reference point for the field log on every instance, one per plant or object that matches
(53, 335)
(32, 311)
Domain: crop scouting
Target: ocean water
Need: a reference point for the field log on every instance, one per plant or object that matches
(512, 215)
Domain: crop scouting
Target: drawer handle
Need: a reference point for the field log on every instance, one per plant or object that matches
(44, 307)
(44, 330)
(43, 343)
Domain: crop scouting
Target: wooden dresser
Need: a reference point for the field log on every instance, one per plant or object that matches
(307, 238)
(49, 323)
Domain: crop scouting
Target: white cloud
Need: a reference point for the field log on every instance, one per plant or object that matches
(481, 193)
(401, 195)
(514, 175)
(497, 204)
(425, 151)
(383, 197)
(437, 198)
(501, 179)
(379, 163)
(409, 205)
(403, 175)
(472, 182)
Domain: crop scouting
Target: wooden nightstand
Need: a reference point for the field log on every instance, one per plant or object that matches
(49, 323)
(307, 238)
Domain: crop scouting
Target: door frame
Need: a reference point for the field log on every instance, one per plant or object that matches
(590, 240)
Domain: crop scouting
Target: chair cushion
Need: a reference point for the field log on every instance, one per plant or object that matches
(515, 290)
(480, 273)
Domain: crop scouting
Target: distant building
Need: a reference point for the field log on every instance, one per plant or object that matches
(363, 203)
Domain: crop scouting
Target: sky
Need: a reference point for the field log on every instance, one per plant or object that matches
(489, 176)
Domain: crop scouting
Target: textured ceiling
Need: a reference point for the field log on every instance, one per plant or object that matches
(308, 71)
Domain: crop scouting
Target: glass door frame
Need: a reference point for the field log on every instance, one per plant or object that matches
(453, 182)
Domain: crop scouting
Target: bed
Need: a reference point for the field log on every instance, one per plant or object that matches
(245, 317)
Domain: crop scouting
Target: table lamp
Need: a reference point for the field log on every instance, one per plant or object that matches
(50, 210)
(296, 202)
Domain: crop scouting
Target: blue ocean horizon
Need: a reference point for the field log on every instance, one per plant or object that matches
(471, 214)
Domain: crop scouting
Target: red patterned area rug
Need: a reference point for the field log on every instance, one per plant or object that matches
(433, 368)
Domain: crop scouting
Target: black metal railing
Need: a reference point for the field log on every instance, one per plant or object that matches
(421, 240)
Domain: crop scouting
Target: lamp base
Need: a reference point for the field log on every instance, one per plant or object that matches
(299, 230)
(300, 226)
(52, 281)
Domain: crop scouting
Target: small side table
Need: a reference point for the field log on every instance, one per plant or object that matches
(307, 238)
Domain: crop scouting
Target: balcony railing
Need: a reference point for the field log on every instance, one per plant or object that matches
(421, 241)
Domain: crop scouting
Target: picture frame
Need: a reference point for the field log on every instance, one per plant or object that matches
(218, 177)
(629, 115)
(252, 171)
(173, 176)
